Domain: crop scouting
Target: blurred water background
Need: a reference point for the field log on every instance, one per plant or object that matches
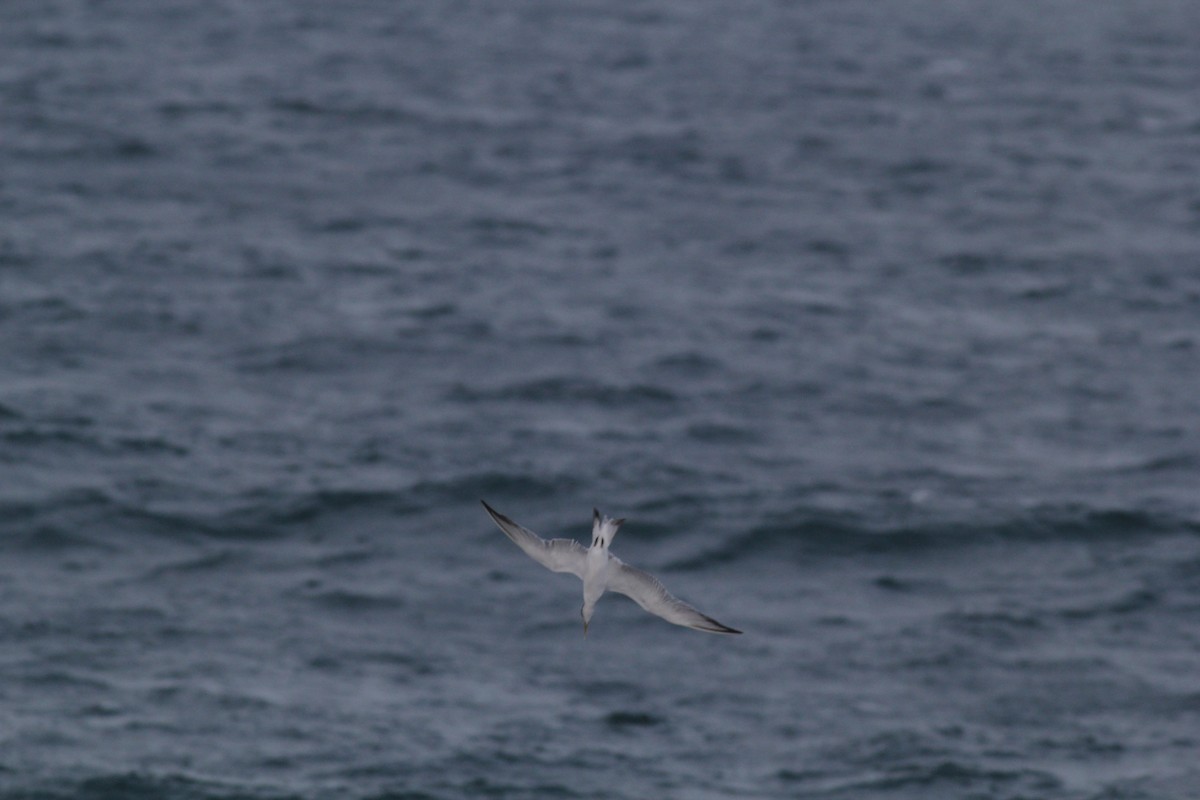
(879, 321)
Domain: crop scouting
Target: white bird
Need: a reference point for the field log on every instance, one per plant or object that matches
(600, 570)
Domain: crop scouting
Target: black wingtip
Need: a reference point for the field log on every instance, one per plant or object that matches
(716, 627)
(595, 515)
(723, 629)
(496, 515)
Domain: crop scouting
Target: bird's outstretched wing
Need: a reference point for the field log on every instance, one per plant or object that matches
(650, 594)
(558, 555)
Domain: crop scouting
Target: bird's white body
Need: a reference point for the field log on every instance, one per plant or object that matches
(595, 578)
(600, 571)
(597, 563)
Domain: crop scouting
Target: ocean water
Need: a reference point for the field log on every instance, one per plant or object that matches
(879, 322)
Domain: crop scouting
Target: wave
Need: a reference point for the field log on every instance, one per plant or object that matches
(631, 719)
(136, 785)
(472, 487)
(75, 436)
(722, 433)
(962, 776)
(689, 364)
(567, 390)
(354, 602)
(271, 512)
(804, 532)
(94, 518)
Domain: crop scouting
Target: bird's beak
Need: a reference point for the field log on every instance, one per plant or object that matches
(585, 630)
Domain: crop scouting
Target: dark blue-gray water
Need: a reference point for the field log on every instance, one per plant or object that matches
(879, 321)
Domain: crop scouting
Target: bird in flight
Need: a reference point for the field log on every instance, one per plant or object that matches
(600, 571)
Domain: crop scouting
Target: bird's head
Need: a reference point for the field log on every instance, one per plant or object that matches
(586, 613)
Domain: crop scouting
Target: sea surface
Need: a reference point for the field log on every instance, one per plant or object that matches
(880, 322)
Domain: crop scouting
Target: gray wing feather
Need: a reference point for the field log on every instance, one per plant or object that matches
(650, 594)
(557, 555)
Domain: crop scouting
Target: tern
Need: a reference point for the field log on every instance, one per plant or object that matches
(600, 571)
